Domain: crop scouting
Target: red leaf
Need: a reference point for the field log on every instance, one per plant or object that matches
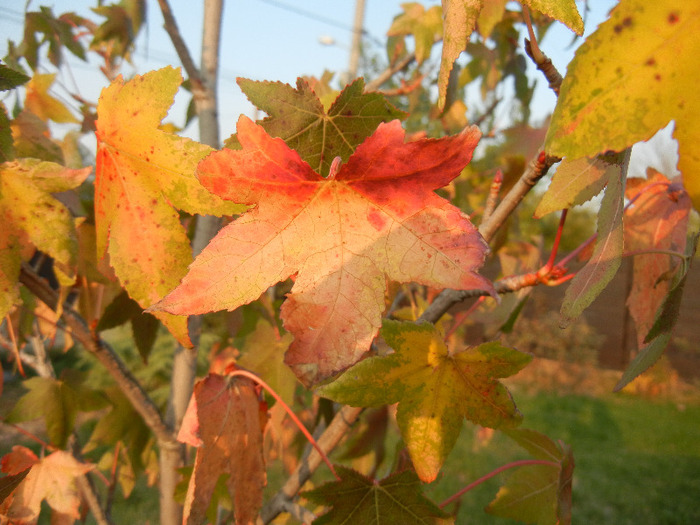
(342, 236)
(224, 419)
(658, 220)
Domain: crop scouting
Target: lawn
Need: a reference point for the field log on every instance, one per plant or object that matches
(637, 460)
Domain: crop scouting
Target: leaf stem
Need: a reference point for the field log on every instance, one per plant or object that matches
(514, 464)
(297, 422)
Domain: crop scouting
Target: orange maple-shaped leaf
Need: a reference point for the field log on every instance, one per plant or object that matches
(51, 478)
(225, 420)
(343, 236)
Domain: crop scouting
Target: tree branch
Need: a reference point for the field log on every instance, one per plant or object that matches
(340, 424)
(390, 72)
(131, 388)
(170, 26)
(537, 168)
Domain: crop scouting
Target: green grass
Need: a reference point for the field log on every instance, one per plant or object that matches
(637, 461)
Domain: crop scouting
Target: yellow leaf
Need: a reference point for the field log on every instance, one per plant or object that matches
(634, 75)
(43, 105)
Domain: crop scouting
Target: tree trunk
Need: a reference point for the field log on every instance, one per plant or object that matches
(185, 359)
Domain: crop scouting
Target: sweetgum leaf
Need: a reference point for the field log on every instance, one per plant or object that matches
(435, 389)
(359, 499)
(629, 79)
(143, 174)
(43, 104)
(343, 237)
(563, 10)
(537, 493)
(459, 21)
(31, 216)
(11, 78)
(592, 279)
(262, 352)
(575, 182)
(657, 220)
(52, 479)
(58, 402)
(298, 117)
(424, 25)
(225, 421)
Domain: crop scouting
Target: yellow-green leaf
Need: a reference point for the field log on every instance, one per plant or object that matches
(630, 78)
(563, 10)
(459, 21)
(44, 105)
(424, 25)
(31, 216)
(143, 175)
(436, 389)
(592, 279)
(575, 182)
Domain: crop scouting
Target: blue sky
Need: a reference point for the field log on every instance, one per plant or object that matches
(268, 40)
(262, 40)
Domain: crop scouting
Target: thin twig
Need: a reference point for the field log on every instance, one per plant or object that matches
(390, 72)
(500, 469)
(179, 44)
(290, 412)
(338, 427)
(535, 170)
(128, 384)
(547, 67)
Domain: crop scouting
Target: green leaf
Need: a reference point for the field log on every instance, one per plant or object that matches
(435, 389)
(424, 25)
(459, 22)
(660, 333)
(57, 32)
(7, 148)
(563, 10)
(537, 493)
(11, 78)
(629, 79)
(592, 279)
(57, 402)
(297, 117)
(144, 325)
(359, 499)
(575, 182)
(121, 424)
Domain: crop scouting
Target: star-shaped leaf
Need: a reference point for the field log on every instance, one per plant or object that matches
(435, 389)
(298, 117)
(628, 80)
(343, 236)
(31, 216)
(359, 499)
(143, 175)
(538, 493)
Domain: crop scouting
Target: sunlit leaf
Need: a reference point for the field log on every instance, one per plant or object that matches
(343, 236)
(628, 80)
(298, 117)
(436, 389)
(143, 174)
